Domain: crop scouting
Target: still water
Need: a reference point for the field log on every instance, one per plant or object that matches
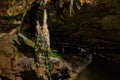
(100, 70)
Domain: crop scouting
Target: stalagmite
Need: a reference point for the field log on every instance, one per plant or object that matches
(45, 30)
(38, 28)
(42, 48)
(40, 67)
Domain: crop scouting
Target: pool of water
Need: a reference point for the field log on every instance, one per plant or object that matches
(100, 70)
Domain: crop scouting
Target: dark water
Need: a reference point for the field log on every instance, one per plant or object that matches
(101, 70)
(105, 66)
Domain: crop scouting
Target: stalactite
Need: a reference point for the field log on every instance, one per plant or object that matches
(71, 7)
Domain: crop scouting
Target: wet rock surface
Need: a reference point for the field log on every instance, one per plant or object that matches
(16, 65)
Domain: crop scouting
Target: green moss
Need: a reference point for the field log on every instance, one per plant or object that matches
(54, 53)
(29, 43)
(20, 55)
(8, 50)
